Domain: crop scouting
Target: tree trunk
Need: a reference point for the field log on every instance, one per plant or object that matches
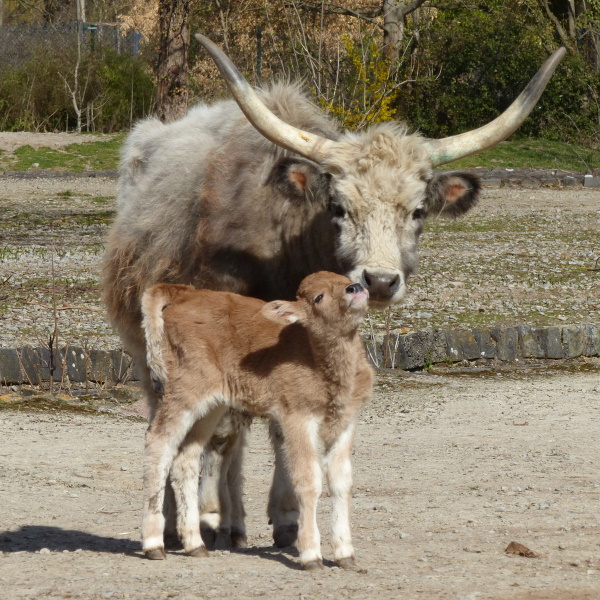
(172, 63)
(394, 17)
(393, 28)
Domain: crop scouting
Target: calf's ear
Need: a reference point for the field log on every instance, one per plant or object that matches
(282, 312)
(452, 194)
(297, 178)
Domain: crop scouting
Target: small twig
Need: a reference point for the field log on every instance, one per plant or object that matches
(596, 267)
(23, 368)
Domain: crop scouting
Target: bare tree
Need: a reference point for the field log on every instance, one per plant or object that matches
(577, 24)
(394, 13)
(172, 63)
(394, 21)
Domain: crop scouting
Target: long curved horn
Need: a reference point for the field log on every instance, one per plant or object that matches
(309, 145)
(451, 148)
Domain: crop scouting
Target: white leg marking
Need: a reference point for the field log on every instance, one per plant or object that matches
(339, 475)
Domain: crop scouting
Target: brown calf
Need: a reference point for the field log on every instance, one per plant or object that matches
(300, 363)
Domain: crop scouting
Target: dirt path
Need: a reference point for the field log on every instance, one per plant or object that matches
(448, 470)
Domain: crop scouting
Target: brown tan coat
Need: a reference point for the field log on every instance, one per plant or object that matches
(300, 363)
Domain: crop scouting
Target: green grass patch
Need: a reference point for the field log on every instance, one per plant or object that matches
(104, 154)
(99, 155)
(531, 153)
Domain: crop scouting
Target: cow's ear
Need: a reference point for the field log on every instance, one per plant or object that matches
(296, 177)
(452, 194)
(282, 312)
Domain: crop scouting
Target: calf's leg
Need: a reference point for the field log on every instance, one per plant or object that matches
(338, 469)
(162, 442)
(184, 478)
(300, 443)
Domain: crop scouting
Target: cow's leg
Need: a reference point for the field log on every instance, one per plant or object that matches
(300, 443)
(219, 504)
(208, 492)
(283, 506)
(163, 438)
(184, 478)
(232, 530)
(235, 486)
(339, 478)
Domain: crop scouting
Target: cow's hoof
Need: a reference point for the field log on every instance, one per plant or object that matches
(155, 554)
(222, 541)
(346, 563)
(285, 535)
(238, 538)
(313, 565)
(209, 535)
(200, 552)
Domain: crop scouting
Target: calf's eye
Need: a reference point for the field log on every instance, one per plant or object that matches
(419, 213)
(318, 298)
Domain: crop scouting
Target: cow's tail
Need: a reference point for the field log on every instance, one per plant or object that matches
(154, 301)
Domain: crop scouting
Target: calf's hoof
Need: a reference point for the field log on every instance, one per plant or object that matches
(200, 552)
(155, 554)
(346, 563)
(285, 535)
(313, 565)
(238, 538)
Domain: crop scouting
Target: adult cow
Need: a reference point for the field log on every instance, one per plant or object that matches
(253, 195)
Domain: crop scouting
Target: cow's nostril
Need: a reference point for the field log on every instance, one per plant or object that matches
(367, 279)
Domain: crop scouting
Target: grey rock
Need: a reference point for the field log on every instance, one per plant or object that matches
(122, 366)
(549, 181)
(487, 348)
(507, 343)
(591, 340)
(529, 343)
(468, 345)
(492, 182)
(550, 340)
(37, 363)
(100, 366)
(76, 363)
(411, 351)
(437, 345)
(453, 345)
(590, 181)
(10, 367)
(573, 340)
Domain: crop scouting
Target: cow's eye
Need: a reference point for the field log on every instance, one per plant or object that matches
(318, 298)
(419, 213)
(337, 210)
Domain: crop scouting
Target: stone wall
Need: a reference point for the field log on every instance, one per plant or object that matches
(418, 350)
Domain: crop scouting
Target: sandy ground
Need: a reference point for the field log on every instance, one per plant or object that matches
(448, 468)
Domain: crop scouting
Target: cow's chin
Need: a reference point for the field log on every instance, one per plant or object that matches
(375, 304)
